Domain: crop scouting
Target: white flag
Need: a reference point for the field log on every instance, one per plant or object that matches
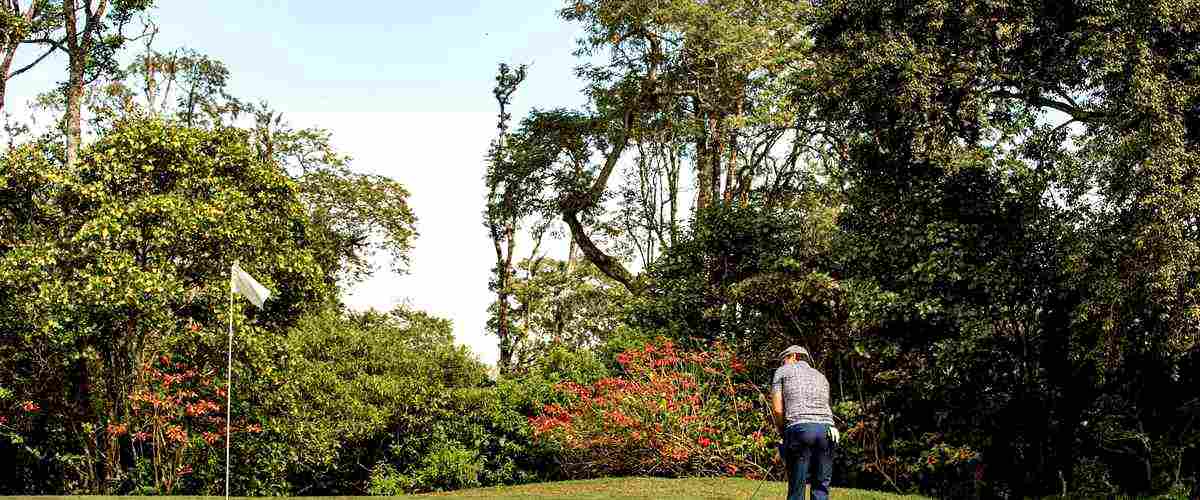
(247, 286)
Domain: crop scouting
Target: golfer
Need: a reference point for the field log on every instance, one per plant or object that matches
(800, 404)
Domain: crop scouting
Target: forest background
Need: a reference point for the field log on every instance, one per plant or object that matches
(980, 216)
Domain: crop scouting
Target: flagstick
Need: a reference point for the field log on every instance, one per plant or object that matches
(228, 387)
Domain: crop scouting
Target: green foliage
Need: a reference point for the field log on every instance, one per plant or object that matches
(448, 466)
(559, 307)
(392, 390)
(756, 278)
(127, 257)
(980, 216)
(387, 481)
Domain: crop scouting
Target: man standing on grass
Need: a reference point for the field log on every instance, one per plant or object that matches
(800, 405)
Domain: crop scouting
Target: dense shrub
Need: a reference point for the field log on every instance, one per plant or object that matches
(393, 393)
(670, 413)
(106, 268)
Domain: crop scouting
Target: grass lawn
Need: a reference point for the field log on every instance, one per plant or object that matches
(652, 488)
(631, 488)
(620, 488)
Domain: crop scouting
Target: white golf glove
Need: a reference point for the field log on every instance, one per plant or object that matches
(834, 435)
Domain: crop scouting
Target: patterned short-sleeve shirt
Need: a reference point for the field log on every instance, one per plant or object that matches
(805, 394)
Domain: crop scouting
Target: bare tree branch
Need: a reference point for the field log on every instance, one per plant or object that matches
(35, 62)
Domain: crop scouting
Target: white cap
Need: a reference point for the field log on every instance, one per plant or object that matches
(794, 349)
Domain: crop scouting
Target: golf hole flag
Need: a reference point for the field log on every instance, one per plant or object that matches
(239, 283)
(248, 287)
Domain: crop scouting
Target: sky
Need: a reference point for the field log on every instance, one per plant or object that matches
(405, 89)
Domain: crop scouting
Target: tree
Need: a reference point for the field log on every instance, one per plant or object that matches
(357, 215)
(506, 207)
(94, 33)
(560, 305)
(35, 24)
(1006, 177)
(682, 83)
(108, 266)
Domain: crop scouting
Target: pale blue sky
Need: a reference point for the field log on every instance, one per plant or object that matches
(405, 88)
(392, 56)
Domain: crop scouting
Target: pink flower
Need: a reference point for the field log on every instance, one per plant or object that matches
(30, 406)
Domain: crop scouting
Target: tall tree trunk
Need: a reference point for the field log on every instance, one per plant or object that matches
(571, 256)
(79, 44)
(504, 261)
(730, 167)
(716, 149)
(673, 192)
(74, 118)
(76, 53)
(10, 51)
(703, 172)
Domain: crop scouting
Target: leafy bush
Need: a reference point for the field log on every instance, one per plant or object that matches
(387, 481)
(670, 413)
(393, 391)
(124, 259)
(448, 465)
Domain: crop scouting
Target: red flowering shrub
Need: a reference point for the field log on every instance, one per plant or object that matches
(177, 418)
(671, 413)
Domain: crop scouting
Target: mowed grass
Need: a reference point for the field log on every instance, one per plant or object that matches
(641, 488)
(618, 488)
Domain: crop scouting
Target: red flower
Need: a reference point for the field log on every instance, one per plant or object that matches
(115, 430)
(177, 434)
(30, 406)
(703, 441)
(195, 327)
(731, 469)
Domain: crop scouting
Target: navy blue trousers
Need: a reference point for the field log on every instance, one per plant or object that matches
(807, 449)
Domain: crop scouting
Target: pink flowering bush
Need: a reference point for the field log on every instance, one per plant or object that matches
(670, 413)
